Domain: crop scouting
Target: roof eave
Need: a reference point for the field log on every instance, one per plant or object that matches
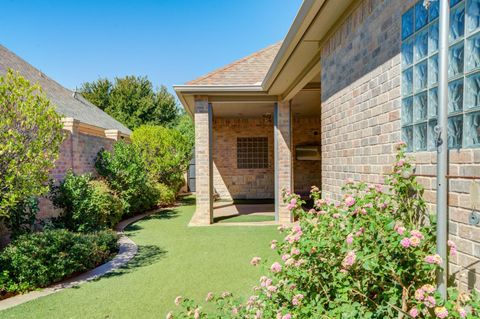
(308, 9)
(184, 91)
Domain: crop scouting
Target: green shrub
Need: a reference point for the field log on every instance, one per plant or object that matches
(30, 139)
(86, 205)
(124, 170)
(166, 195)
(40, 259)
(22, 217)
(166, 153)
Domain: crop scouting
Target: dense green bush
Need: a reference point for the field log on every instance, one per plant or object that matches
(370, 255)
(87, 205)
(166, 194)
(166, 153)
(30, 138)
(40, 259)
(23, 217)
(124, 170)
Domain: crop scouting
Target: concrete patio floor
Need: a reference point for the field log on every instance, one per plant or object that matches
(223, 210)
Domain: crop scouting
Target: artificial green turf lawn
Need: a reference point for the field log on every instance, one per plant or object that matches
(246, 219)
(173, 260)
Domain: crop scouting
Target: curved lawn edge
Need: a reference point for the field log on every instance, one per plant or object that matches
(126, 251)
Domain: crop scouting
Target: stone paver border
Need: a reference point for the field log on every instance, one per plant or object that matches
(127, 250)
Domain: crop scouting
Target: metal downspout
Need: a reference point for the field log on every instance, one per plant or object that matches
(442, 148)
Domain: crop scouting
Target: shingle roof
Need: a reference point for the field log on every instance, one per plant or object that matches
(66, 105)
(250, 70)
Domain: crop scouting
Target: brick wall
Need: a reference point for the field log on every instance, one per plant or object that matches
(361, 121)
(77, 152)
(229, 181)
(306, 131)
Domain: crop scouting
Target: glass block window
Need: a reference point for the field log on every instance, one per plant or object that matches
(419, 80)
(252, 152)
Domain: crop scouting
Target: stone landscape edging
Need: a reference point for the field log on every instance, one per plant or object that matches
(127, 250)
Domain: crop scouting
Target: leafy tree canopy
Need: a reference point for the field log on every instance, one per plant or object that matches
(30, 138)
(133, 101)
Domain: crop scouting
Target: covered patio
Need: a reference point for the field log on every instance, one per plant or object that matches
(251, 145)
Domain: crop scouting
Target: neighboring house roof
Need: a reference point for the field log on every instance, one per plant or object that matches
(66, 104)
(250, 70)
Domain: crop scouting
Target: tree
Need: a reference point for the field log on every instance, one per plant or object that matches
(30, 139)
(165, 151)
(133, 101)
(98, 92)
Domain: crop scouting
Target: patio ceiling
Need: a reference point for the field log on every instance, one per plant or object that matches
(305, 103)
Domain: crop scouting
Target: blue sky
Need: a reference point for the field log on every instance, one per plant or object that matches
(169, 41)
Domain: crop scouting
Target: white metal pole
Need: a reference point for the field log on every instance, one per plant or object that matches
(442, 147)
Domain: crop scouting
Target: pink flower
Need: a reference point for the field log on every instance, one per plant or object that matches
(234, 311)
(462, 313)
(400, 162)
(287, 316)
(276, 267)
(428, 288)
(322, 212)
(453, 248)
(312, 211)
(296, 299)
(272, 288)
(399, 229)
(209, 297)
(273, 244)
(255, 261)
(349, 239)
(293, 201)
(441, 312)
(419, 294)
(378, 188)
(226, 294)
(349, 201)
(178, 300)
(349, 259)
(430, 302)
(319, 202)
(290, 206)
(417, 234)
(196, 313)
(297, 229)
(360, 231)
(336, 216)
(433, 259)
(295, 251)
(413, 312)
(405, 242)
(285, 257)
(414, 241)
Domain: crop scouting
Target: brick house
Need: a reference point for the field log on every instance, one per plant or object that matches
(354, 77)
(88, 129)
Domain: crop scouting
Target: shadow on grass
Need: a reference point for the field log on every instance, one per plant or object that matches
(187, 200)
(147, 255)
(164, 214)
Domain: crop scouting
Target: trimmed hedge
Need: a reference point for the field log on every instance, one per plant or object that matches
(40, 259)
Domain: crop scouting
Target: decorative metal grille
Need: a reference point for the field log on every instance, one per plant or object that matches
(420, 75)
(252, 152)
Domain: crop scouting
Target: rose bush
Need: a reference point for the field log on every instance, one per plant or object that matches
(370, 254)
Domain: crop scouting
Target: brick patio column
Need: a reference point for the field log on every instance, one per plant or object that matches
(203, 163)
(283, 159)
